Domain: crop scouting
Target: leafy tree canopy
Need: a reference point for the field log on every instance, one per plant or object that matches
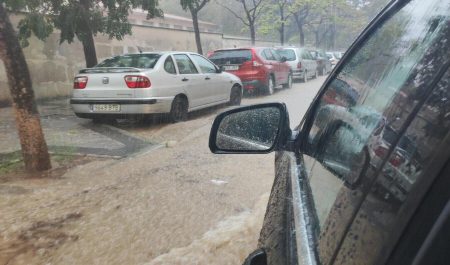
(78, 17)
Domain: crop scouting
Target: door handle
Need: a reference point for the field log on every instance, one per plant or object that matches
(207, 78)
(184, 79)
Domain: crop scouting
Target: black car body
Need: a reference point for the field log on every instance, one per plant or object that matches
(325, 206)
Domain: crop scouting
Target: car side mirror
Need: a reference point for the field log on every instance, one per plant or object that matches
(283, 59)
(219, 69)
(257, 129)
(257, 257)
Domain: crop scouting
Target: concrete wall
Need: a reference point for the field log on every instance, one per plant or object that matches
(53, 66)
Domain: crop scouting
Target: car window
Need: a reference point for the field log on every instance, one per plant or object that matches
(396, 190)
(266, 54)
(306, 55)
(353, 107)
(185, 65)
(276, 55)
(231, 56)
(146, 61)
(169, 65)
(205, 65)
(289, 54)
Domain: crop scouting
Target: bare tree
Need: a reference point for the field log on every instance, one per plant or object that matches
(194, 6)
(252, 11)
(300, 10)
(34, 147)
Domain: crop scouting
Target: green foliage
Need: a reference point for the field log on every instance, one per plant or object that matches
(78, 18)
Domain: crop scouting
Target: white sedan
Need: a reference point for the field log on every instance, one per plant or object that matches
(157, 82)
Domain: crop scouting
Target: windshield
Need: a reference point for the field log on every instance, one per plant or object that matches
(107, 109)
(146, 61)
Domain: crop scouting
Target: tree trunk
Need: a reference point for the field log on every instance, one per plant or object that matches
(282, 26)
(316, 34)
(34, 148)
(196, 31)
(87, 39)
(301, 33)
(252, 33)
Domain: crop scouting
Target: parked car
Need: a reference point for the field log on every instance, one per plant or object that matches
(332, 57)
(323, 64)
(324, 206)
(261, 69)
(147, 83)
(303, 65)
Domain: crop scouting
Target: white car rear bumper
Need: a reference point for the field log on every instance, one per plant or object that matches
(127, 106)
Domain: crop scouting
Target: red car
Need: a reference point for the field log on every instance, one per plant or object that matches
(260, 69)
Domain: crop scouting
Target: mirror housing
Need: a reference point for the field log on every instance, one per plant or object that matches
(219, 69)
(254, 129)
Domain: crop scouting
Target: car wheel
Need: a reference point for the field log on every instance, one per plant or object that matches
(235, 96)
(179, 109)
(270, 88)
(288, 85)
(305, 77)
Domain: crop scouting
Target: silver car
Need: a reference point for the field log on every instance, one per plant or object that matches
(157, 82)
(302, 64)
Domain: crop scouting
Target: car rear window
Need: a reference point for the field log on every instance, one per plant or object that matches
(231, 57)
(145, 61)
(288, 53)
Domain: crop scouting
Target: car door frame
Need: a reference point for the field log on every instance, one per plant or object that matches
(193, 84)
(215, 83)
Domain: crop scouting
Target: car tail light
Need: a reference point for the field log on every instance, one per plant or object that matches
(397, 160)
(381, 151)
(80, 82)
(137, 81)
(299, 65)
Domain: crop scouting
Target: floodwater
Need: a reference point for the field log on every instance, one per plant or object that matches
(176, 203)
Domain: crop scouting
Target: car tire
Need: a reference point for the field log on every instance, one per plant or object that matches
(179, 109)
(235, 96)
(322, 71)
(305, 77)
(288, 85)
(270, 88)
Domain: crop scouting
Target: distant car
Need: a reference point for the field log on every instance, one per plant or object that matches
(302, 64)
(323, 64)
(157, 82)
(332, 57)
(261, 69)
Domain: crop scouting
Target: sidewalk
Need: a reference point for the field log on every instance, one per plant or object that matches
(67, 134)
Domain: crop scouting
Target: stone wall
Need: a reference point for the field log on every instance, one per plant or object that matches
(53, 65)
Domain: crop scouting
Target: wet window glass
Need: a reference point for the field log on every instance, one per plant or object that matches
(169, 66)
(276, 55)
(289, 54)
(231, 57)
(205, 65)
(185, 65)
(354, 113)
(266, 54)
(398, 186)
(145, 61)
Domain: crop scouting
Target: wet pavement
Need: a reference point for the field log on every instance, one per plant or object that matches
(167, 201)
(67, 134)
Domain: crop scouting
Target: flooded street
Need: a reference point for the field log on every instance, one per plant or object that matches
(173, 202)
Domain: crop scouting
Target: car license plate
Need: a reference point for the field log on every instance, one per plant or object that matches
(231, 67)
(106, 107)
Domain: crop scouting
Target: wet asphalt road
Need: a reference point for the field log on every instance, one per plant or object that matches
(168, 200)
